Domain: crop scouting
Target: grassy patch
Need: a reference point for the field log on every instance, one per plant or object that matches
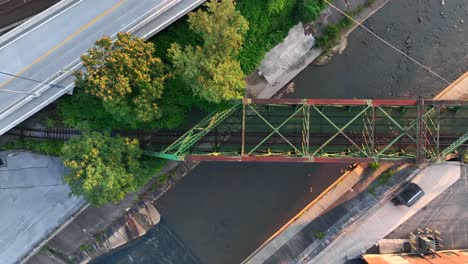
(333, 33)
(265, 31)
(150, 166)
(374, 165)
(163, 179)
(383, 179)
(319, 235)
(52, 148)
(85, 247)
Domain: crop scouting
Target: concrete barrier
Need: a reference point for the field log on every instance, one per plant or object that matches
(458, 90)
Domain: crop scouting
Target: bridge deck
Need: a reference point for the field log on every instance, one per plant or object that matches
(48, 48)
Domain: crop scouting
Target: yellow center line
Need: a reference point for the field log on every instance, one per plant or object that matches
(74, 34)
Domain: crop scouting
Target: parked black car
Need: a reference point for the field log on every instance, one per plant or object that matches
(409, 195)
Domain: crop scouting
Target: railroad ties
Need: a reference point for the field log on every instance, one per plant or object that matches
(45, 134)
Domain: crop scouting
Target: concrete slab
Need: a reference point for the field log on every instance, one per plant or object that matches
(33, 200)
(458, 90)
(385, 217)
(287, 54)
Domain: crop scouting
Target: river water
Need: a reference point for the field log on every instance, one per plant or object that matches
(221, 212)
(435, 35)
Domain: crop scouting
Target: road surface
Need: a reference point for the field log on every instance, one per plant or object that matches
(46, 53)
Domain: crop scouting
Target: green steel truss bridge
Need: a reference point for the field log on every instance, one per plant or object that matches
(325, 130)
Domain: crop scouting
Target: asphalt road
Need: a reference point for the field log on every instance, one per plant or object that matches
(47, 50)
(447, 213)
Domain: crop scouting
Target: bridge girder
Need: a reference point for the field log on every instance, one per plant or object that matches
(326, 130)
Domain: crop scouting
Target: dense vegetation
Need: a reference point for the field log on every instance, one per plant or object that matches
(212, 70)
(200, 61)
(104, 168)
(53, 148)
(267, 29)
(125, 85)
(125, 77)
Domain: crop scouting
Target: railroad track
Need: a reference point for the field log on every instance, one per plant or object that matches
(45, 134)
(168, 137)
(14, 11)
(9, 5)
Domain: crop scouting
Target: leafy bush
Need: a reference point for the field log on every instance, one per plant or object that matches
(332, 34)
(104, 169)
(309, 10)
(178, 32)
(149, 167)
(52, 148)
(278, 6)
(267, 30)
(385, 177)
(374, 165)
(319, 235)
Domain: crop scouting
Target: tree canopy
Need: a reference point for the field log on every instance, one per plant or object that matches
(103, 168)
(126, 77)
(277, 6)
(212, 69)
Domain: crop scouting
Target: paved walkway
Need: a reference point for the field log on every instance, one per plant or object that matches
(33, 200)
(384, 218)
(329, 214)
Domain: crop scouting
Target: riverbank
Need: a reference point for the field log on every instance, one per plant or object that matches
(92, 242)
(261, 86)
(183, 222)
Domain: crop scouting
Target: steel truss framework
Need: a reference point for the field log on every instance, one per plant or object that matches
(326, 130)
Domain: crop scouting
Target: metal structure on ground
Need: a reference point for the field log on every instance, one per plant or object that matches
(325, 130)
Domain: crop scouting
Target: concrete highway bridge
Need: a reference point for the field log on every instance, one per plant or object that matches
(39, 57)
(326, 130)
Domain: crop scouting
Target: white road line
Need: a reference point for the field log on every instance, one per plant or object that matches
(464, 231)
(183, 11)
(465, 167)
(451, 236)
(48, 80)
(31, 30)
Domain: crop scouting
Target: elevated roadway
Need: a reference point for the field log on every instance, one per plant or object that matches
(46, 50)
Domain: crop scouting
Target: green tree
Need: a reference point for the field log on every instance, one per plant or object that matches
(277, 6)
(103, 169)
(212, 70)
(126, 77)
(309, 10)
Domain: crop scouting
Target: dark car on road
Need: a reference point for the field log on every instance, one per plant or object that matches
(409, 195)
